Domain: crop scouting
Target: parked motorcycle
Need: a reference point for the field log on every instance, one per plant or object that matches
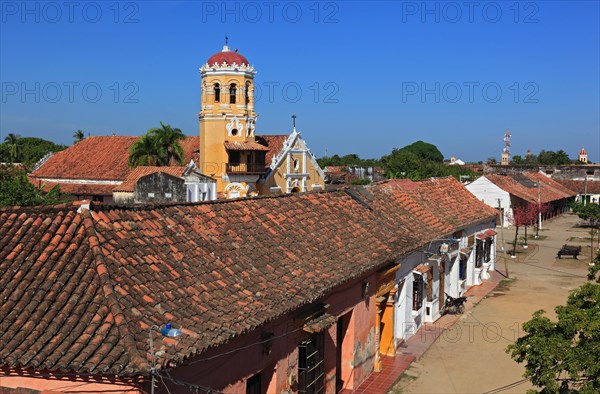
(454, 306)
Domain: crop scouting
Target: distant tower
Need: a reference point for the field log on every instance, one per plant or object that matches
(506, 150)
(228, 148)
(583, 156)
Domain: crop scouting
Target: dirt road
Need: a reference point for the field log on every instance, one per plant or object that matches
(470, 357)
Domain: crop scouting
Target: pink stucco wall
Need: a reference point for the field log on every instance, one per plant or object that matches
(228, 372)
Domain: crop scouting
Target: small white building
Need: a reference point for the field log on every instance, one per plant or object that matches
(487, 192)
(457, 264)
(146, 184)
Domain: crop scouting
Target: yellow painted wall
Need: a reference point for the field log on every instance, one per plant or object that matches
(278, 177)
(215, 116)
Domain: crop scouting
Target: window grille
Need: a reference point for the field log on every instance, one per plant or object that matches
(311, 369)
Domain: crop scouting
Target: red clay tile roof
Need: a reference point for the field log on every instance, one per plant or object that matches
(336, 170)
(275, 144)
(422, 268)
(93, 158)
(59, 311)
(404, 184)
(550, 189)
(245, 146)
(440, 203)
(191, 148)
(135, 174)
(81, 289)
(75, 189)
(592, 187)
(99, 158)
(228, 57)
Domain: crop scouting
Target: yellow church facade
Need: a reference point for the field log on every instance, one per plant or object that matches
(243, 163)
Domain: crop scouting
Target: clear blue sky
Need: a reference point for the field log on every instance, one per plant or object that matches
(362, 77)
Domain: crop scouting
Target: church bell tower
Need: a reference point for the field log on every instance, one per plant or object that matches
(228, 148)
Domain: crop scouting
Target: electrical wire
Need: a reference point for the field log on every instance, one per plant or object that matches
(164, 384)
(194, 386)
(506, 387)
(241, 347)
(483, 324)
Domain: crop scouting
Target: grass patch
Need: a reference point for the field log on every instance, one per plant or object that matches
(539, 238)
(579, 239)
(396, 388)
(507, 282)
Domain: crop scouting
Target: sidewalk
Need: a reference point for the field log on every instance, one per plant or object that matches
(421, 341)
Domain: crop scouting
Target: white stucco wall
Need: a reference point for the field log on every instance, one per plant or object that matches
(489, 193)
(407, 322)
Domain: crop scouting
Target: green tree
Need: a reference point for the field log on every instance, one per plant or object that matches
(553, 158)
(79, 135)
(491, 160)
(564, 355)
(167, 140)
(14, 150)
(144, 152)
(402, 164)
(530, 158)
(590, 211)
(419, 161)
(30, 150)
(15, 189)
(516, 159)
(33, 149)
(158, 147)
(351, 159)
(424, 151)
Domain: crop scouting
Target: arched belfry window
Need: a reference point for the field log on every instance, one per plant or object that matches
(232, 92)
(247, 93)
(217, 88)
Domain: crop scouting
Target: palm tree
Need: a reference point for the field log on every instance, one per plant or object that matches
(79, 135)
(144, 152)
(12, 140)
(167, 140)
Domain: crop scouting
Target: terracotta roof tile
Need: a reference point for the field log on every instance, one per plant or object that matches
(81, 189)
(275, 144)
(550, 190)
(100, 158)
(93, 282)
(235, 145)
(135, 174)
(581, 187)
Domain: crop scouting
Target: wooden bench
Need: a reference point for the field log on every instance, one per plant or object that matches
(569, 250)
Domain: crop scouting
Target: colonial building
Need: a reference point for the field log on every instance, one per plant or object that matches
(588, 190)
(97, 169)
(297, 293)
(293, 169)
(147, 184)
(227, 150)
(230, 150)
(504, 192)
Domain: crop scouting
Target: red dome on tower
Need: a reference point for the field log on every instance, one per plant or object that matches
(226, 56)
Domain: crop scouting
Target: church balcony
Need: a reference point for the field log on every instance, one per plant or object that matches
(246, 168)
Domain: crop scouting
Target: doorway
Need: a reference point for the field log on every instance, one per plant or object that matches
(385, 321)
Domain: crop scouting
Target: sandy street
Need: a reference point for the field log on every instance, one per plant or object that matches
(471, 357)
